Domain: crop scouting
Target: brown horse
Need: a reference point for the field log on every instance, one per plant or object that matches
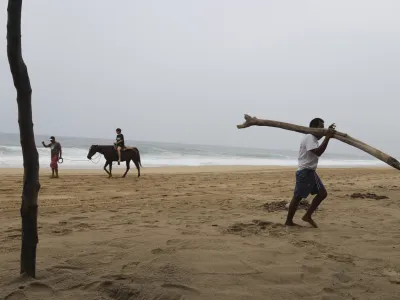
(110, 154)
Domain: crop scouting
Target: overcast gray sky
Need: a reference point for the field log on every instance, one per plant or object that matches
(187, 71)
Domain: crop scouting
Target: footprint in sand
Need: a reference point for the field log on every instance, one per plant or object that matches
(13, 230)
(174, 241)
(14, 236)
(343, 258)
(159, 251)
(311, 269)
(83, 225)
(343, 278)
(130, 267)
(184, 289)
(64, 231)
(306, 243)
(256, 227)
(115, 277)
(16, 295)
(393, 276)
(66, 267)
(77, 218)
(38, 290)
(119, 291)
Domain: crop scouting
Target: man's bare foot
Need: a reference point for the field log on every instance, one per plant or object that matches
(291, 223)
(310, 221)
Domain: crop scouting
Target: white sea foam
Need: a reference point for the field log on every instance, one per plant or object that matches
(75, 158)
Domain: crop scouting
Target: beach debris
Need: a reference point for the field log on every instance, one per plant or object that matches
(255, 227)
(284, 205)
(275, 206)
(368, 196)
(343, 137)
(242, 226)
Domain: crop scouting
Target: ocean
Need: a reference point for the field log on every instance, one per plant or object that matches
(157, 154)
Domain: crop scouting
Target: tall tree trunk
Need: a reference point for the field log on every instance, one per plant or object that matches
(31, 185)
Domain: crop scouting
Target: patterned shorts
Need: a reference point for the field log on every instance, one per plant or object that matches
(307, 182)
(54, 162)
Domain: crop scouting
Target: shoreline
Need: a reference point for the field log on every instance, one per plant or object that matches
(188, 169)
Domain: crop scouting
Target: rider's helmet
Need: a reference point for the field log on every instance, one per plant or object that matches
(118, 129)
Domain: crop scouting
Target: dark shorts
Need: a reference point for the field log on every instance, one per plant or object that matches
(307, 182)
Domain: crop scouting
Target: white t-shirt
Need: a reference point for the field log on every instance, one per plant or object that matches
(307, 159)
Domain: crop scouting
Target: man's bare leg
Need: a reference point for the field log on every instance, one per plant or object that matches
(52, 173)
(56, 170)
(314, 205)
(119, 155)
(292, 210)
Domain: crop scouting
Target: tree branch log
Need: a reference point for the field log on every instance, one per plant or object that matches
(343, 137)
(31, 185)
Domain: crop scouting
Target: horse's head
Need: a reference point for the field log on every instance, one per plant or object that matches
(92, 151)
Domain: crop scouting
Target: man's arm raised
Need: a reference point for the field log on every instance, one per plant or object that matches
(321, 149)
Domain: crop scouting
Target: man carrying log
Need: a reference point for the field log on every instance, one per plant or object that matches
(307, 179)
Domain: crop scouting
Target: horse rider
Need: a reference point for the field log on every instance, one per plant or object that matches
(119, 143)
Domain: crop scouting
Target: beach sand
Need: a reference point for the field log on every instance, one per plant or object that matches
(203, 233)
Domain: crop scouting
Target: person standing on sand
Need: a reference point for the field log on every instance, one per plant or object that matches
(307, 179)
(56, 155)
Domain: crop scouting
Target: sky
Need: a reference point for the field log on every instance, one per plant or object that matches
(188, 70)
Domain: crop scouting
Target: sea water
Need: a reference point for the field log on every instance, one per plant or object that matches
(156, 154)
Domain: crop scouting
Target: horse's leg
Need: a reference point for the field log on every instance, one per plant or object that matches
(128, 166)
(105, 168)
(137, 167)
(110, 168)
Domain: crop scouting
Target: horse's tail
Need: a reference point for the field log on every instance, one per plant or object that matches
(140, 163)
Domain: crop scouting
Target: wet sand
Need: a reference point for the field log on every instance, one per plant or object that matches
(204, 233)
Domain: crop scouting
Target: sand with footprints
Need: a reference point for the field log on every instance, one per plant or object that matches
(204, 233)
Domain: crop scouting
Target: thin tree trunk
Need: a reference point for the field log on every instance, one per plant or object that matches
(343, 137)
(31, 185)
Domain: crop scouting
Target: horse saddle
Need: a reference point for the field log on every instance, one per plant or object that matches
(128, 148)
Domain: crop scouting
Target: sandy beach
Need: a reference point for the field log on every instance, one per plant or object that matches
(204, 233)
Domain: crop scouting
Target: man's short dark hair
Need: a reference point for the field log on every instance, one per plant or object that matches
(315, 122)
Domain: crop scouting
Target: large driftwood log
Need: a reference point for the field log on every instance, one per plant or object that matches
(31, 185)
(343, 137)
